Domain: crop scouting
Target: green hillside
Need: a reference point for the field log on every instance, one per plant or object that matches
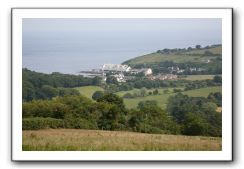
(162, 98)
(178, 56)
(88, 90)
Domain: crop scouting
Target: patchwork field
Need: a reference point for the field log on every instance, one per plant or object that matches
(97, 140)
(163, 98)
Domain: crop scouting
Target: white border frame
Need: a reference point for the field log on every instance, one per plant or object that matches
(19, 155)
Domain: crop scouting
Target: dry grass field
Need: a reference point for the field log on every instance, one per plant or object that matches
(97, 140)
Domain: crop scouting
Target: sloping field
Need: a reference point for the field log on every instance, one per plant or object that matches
(97, 140)
(88, 90)
(216, 50)
(163, 98)
(177, 58)
(156, 57)
(203, 92)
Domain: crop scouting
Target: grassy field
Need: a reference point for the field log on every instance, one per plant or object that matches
(156, 57)
(163, 98)
(203, 92)
(97, 140)
(198, 77)
(176, 58)
(160, 91)
(216, 50)
(88, 90)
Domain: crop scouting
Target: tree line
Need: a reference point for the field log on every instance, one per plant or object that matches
(37, 85)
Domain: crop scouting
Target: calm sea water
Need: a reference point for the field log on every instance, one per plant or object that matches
(70, 53)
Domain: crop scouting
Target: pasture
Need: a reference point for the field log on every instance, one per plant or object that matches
(98, 140)
(88, 90)
(198, 77)
(193, 56)
(163, 98)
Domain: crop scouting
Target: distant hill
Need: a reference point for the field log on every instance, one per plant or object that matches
(178, 55)
(207, 60)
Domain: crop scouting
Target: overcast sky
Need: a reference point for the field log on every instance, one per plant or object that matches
(168, 28)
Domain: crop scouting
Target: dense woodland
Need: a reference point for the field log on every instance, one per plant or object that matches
(46, 86)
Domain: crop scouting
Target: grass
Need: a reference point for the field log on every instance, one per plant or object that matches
(156, 57)
(203, 92)
(198, 77)
(163, 98)
(176, 58)
(97, 140)
(160, 90)
(216, 50)
(88, 90)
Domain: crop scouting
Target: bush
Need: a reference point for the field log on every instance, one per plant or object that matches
(97, 95)
(177, 90)
(146, 128)
(208, 53)
(128, 95)
(166, 91)
(155, 92)
(41, 123)
(195, 125)
(80, 123)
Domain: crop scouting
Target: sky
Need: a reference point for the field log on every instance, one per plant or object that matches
(81, 44)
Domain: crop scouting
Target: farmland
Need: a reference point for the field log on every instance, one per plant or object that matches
(88, 90)
(161, 98)
(198, 77)
(98, 140)
(189, 56)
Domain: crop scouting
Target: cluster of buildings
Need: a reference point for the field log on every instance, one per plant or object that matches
(163, 77)
(177, 70)
(116, 70)
(122, 73)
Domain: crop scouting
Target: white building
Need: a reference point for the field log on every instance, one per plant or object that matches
(116, 68)
(120, 77)
(146, 71)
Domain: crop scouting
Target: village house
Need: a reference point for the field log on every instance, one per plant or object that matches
(115, 68)
(120, 77)
(146, 71)
(163, 77)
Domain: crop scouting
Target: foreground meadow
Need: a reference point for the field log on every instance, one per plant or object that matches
(98, 140)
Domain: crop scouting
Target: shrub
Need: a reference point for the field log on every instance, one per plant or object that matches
(41, 123)
(128, 95)
(80, 123)
(97, 95)
(177, 90)
(155, 92)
